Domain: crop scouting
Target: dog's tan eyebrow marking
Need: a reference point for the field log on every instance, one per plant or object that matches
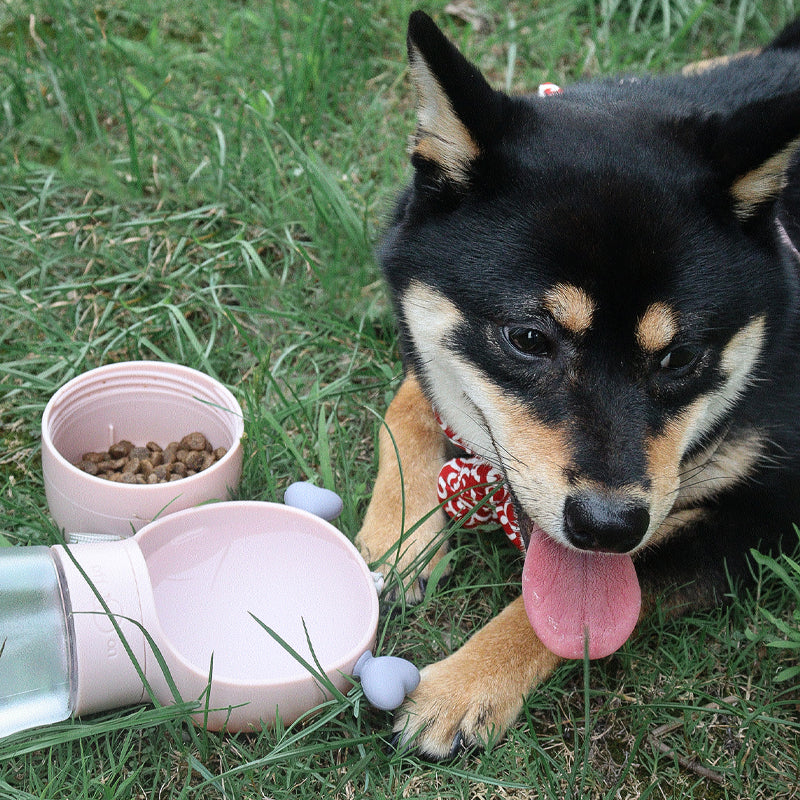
(570, 306)
(657, 327)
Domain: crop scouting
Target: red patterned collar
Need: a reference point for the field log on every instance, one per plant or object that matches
(473, 491)
(548, 89)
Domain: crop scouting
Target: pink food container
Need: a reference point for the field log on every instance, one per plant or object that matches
(139, 401)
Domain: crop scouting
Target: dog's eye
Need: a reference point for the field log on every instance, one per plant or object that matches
(528, 341)
(679, 361)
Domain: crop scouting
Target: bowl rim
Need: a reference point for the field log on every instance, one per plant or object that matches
(229, 508)
(232, 407)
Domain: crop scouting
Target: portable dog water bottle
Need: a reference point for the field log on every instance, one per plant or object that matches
(199, 587)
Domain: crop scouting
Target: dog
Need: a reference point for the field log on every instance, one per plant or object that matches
(597, 293)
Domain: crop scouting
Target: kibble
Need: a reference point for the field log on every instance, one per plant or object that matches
(120, 449)
(124, 462)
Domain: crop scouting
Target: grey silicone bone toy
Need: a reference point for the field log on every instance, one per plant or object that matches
(386, 680)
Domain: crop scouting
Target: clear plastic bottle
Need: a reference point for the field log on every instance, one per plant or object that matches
(35, 661)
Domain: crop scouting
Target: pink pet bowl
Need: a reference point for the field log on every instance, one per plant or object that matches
(253, 610)
(139, 401)
(204, 583)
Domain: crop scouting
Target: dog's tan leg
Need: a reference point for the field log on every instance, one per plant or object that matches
(411, 452)
(472, 696)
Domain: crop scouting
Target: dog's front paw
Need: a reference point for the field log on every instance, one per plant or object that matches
(451, 711)
(408, 561)
(470, 698)
(401, 531)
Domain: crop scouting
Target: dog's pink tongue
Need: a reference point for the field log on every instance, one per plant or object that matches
(570, 594)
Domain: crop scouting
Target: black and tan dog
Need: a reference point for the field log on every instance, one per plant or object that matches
(596, 291)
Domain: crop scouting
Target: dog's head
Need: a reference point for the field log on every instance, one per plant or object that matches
(589, 284)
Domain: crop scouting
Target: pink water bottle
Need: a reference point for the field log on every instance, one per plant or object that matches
(255, 609)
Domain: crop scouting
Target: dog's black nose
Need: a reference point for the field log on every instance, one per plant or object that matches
(594, 522)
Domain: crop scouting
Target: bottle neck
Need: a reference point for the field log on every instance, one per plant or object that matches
(103, 585)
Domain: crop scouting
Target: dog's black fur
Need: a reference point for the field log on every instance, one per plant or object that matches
(609, 261)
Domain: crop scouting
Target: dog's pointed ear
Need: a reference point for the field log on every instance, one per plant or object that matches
(458, 112)
(752, 149)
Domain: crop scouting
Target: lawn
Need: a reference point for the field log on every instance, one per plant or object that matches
(204, 182)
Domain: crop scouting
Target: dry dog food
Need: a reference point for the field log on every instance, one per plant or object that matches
(123, 462)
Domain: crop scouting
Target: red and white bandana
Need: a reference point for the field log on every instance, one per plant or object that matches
(548, 89)
(474, 492)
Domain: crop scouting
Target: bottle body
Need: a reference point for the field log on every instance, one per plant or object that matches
(35, 660)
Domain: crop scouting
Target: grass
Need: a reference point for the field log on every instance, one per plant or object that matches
(204, 182)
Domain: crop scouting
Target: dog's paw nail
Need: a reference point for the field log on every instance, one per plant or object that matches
(399, 743)
(460, 746)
